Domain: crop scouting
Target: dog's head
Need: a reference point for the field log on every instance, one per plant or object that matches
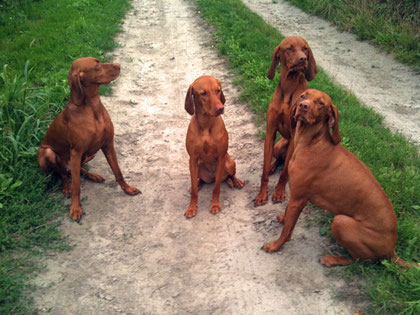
(295, 55)
(315, 107)
(207, 93)
(87, 73)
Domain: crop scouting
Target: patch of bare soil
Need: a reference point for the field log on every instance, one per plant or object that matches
(378, 80)
(139, 255)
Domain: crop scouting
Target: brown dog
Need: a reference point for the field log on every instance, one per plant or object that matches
(81, 129)
(297, 66)
(207, 142)
(323, 172)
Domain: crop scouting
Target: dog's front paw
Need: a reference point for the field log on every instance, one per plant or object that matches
(261, 198)
(76, 212)
(279, 195)
(131, 190)
(191, 212)
(272, 247)
(215, 207)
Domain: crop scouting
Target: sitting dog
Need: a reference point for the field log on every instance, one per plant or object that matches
(323, 172)
(297, 66)
(207, 142)
(80, 130)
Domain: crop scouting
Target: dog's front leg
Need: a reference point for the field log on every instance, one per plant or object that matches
(293, 210)
(215, 204)
(270, 137)
(75, 208)
(280, 191)
(192, 208)
(111, 157)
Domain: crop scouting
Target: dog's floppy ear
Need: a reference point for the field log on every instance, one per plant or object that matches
(76, 89)
(275, 60)
(189, 102)
(312, 70)
(222, 97)
(333, 124)
(292, 116)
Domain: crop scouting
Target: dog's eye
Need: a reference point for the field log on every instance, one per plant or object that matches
(321, 103)
(305, 48)
(303, 96)
(203, 93)
(289, 48)
(219, 90)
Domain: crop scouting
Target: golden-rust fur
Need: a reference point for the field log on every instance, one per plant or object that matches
(82, 129)
(207, 142)
(324, 173)
(297, 66)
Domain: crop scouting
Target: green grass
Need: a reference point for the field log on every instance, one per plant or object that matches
(247, 42)
(38, 42)
(393, 25)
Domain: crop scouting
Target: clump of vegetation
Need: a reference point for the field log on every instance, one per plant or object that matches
(39, 39)
(247, 42)
(393, 25)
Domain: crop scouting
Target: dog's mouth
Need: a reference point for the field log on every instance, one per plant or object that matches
(298, 67)
(304, 117)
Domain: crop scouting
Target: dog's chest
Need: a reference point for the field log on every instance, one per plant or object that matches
(207, 148)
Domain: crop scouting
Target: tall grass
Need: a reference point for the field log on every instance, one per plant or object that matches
(247, 42)
(38, 42)
(393, 25)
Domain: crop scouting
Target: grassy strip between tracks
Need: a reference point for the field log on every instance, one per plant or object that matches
(247, 42)
(393, 25)
(38, 41)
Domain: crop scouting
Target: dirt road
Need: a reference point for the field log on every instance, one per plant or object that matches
(389, 87)
(139, 255)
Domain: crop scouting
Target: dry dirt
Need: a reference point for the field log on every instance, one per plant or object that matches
(389, 87)
(139, 255)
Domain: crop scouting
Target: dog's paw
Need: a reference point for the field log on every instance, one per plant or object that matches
(279, 196)
(131, 190)
(76, 212)
(261, 199)
(215, 207)
(95, 177)
(271, 247)
(237, 183)
(191, 212)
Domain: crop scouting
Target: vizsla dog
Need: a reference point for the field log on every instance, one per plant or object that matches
(323, 172)
(80, 130)
(207, 142)
(297, 66)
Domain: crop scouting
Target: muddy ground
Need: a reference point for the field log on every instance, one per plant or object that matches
(139, 255)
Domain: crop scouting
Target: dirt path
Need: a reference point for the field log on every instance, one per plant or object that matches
(139, 255)
(382, 83)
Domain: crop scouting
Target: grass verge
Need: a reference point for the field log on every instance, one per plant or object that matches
(38, 41)
(247, 42)
(393, 25)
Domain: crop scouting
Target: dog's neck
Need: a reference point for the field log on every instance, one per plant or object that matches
(310, 134)
(90, 96)
(204, 120)
(289, 82)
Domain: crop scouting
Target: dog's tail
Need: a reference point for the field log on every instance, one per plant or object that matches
(401, 262)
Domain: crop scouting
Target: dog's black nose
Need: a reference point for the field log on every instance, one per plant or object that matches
(303, 106)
